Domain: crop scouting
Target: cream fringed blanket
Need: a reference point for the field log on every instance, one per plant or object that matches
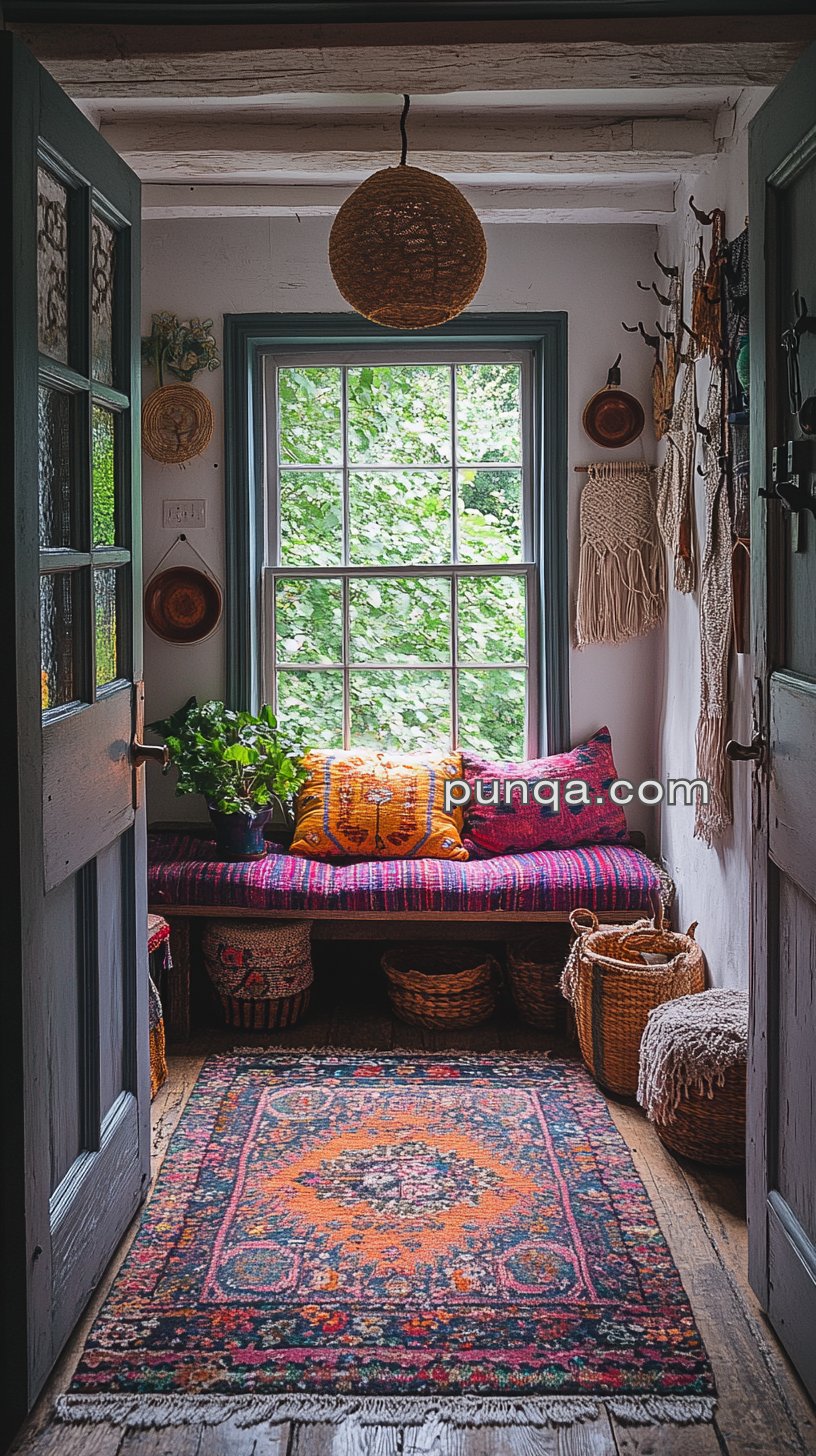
(620, 574)
(675, 486)
(689, 1045)
(716, 598)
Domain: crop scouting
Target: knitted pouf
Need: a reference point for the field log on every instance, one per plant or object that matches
(692, 1075)
(262, 970)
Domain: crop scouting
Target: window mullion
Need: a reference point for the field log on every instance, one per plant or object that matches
(455, 659)
(454, 471)
(346, 660)
(345, 588)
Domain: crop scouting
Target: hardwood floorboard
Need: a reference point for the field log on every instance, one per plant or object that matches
(762, 1410)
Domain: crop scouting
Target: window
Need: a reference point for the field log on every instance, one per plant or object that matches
(402, 585)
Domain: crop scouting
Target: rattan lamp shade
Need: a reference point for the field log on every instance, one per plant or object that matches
(406, 249)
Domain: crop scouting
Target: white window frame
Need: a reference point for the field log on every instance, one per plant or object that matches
(529, 567)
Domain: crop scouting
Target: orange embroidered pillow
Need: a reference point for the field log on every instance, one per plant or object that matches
(364, 805)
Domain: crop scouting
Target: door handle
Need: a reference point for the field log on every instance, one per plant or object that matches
(141, 752)
(752, 752)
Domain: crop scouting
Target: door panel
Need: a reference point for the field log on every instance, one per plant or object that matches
(782, 1059)
(70, 295)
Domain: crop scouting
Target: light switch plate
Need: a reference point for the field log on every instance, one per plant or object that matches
(177, 514)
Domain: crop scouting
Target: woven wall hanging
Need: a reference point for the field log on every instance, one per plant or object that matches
(177, 423)
(406, 249)
(621, 591)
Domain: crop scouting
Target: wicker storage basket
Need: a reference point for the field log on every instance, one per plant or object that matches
(612, 990)
(441, 985)
(534, 978)
(710, 1129)
(693, 1060)
(262, 970)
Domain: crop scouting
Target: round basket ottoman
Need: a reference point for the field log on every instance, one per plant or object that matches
(261, 969)
(692, 1075)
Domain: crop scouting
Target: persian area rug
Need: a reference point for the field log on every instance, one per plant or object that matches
(397, 1239)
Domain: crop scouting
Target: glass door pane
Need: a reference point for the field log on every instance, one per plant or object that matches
(52, 265)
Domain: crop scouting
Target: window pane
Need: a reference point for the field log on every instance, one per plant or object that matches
(105, 616)
(489, 515)
(308, 621)
(52, 265)
(488, 413)
(491, 712)
(103, 474)
(400, 518)
(58, 678)
(54, 428)
(103, 261)
(399, 414)
(310, 707)
(492, 618)
(400, 621)
(409, 711)
(309, 410)
(311, 518)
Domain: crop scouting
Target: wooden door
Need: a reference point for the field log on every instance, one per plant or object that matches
(782, 1068)
(75, 1031)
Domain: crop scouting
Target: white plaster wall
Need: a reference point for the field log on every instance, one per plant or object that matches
(237, 265)
(713, 884)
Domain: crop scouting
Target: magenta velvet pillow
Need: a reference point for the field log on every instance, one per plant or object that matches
(561, 819)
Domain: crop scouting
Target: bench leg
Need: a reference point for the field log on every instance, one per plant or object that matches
(177, 1005)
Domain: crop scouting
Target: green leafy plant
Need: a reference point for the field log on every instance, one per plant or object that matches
(240, 762)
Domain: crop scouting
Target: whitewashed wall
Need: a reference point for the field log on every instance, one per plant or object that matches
(713, 884)
(240, 265)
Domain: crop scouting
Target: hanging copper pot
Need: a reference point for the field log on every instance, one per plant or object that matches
(613, 418)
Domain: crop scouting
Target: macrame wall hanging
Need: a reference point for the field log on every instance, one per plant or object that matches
(675, 484)
(711, 819)
(621, 590)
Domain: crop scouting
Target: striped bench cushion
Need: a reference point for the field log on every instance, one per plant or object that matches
(184, 870)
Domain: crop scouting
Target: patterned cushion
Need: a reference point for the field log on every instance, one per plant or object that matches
(515, 827)
(185, 870)
(365, 805)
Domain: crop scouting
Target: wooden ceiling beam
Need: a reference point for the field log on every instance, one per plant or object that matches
(181, 148)
(120, 61)
(651, 203)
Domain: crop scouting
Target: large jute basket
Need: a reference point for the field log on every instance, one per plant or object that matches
(612, 989)
(534, 978)
(441, 985)
(262, 970)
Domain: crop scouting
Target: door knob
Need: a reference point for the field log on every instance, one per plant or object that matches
(141, 752)
(752, 752)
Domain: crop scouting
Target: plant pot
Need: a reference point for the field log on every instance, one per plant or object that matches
(240, 836)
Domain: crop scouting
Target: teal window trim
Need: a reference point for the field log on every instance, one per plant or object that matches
(249, 337)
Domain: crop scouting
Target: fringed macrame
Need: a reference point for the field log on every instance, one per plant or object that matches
(675, 493)
(716, 597)
(621, 590)
(707, 299)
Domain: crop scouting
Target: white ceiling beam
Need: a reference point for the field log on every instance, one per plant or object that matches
(176, 148)
(619, 203)
(425, 58)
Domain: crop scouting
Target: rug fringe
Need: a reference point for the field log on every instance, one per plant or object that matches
(403, 1053)
(463, 1412)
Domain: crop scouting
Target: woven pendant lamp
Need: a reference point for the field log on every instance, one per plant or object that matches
(406, 249)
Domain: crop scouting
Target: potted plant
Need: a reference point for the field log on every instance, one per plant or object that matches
(241, 763)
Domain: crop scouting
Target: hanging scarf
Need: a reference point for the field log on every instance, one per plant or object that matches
(664, 373)
(716, 593)
(675, 493)
(620, 574)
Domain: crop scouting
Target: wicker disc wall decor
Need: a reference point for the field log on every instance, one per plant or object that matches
(177, 423)
(406, 249)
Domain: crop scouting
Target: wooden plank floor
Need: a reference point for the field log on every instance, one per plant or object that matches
(762, 1410)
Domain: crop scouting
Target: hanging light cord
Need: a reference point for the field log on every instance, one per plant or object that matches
(406, 103)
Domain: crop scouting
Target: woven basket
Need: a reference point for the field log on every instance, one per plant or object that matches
(534, 979)
(177, 423)
(261, 970)
(441, 985)
(612, 990)
(710, 1129)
